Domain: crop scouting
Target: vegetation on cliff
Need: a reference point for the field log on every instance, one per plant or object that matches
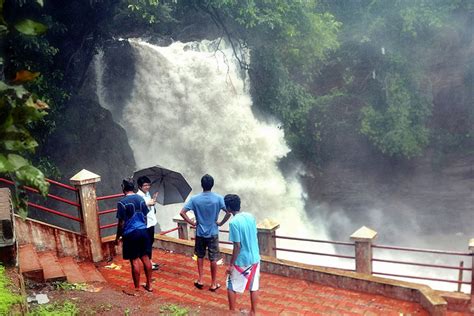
(324, 68)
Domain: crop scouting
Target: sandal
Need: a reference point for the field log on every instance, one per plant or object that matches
(215, 288)
(198, 285)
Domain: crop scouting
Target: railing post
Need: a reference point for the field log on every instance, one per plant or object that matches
(471, 250)
(8, 242)
(183, 227)
(266, 237)
(85, 182)
(363, 238)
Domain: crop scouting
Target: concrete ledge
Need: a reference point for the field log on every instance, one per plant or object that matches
(8, 244)
(49, 237)
(459, 302)
(431, 300)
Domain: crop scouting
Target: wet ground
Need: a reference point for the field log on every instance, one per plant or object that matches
(174, 294)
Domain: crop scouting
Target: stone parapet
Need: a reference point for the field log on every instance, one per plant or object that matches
(431, 300)
(8, 247)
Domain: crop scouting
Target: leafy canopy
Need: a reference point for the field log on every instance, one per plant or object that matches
(19, 109)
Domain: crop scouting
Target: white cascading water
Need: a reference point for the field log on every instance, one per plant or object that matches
(190, 111)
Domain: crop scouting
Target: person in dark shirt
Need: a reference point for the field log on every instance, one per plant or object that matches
(131, 213)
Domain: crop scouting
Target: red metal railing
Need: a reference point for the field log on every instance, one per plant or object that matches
(460, 268)
(108, 197)
(62, 185)
(43, 208)
(169, 231)
(112, 210)
(108, 211)
(429, 265)
(341, 243)
(53, 197)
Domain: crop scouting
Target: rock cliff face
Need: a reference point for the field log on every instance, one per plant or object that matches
(358, 186)
(88, 138)
(408, 201)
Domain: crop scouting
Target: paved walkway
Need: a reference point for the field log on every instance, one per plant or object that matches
(278, 295)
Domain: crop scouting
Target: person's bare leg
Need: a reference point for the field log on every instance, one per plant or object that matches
(231, 298)
(253, 302)
(213, 265)
(148, 270)
(200, 265)
(134, 264)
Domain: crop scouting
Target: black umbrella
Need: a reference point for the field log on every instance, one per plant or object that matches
(170, 185)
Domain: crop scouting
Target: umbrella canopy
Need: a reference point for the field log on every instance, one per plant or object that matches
(170, 185)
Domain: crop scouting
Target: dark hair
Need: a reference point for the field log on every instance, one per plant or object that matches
(232, 202)
(207, 182)
(142, 180)
(128, 185)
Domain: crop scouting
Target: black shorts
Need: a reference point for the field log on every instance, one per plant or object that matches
(212, 245)
(136, 244)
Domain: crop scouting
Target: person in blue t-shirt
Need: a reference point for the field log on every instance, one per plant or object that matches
(131, 213)
(243, 272)
(206, 207)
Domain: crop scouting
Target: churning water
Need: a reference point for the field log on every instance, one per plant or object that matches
(190, 111)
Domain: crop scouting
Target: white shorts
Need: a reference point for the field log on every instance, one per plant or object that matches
(244, 278)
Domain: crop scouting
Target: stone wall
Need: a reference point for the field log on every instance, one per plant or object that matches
(8, 247)
(431, 300)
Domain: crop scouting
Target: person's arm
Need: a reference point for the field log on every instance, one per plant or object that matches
(186, 217)
(225, 219)
(152, 201)
(121, 222)
(119, 231)
(235, 254)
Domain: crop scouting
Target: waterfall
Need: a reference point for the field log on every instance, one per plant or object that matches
(190, 111)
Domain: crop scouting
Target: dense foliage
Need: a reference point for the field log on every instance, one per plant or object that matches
(45, 51)
(329, 70)
(19, 109)
(345, 67)
(386, 64)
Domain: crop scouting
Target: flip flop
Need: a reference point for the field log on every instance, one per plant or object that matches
(155, 266)
(131, 292)
(147, 288)
(215, 289)
(198, 285)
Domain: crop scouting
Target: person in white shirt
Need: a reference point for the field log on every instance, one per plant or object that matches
(144, 185)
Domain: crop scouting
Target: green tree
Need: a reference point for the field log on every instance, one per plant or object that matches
(289, 41)
(19, 109)
(399, 127)
(384, 63)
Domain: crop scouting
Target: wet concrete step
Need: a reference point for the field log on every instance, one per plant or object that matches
(72, 270)
(51, 268)
(29, 263)
(90, 272)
